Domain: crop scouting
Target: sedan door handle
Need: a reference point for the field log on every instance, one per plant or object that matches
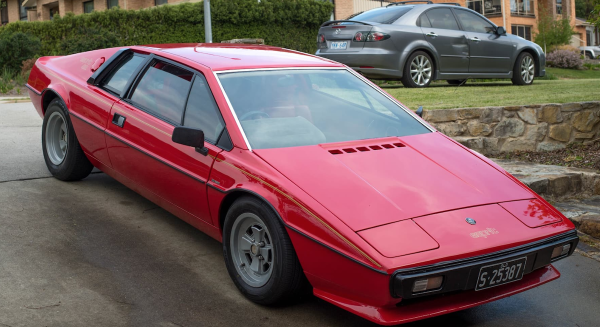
(118, 120)
(475, 39)
(431, 34)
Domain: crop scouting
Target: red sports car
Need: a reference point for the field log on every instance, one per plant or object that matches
(309, 174)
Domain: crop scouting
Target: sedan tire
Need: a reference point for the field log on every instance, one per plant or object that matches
(259, 254)
(589, 55)
(63, 154)
(524, 69)
(418, 70)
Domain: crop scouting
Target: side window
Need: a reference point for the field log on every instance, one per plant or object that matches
(202, 112)
(424, 21)
(118, 77)
(470, 22)
(442, 18)
(162, 91)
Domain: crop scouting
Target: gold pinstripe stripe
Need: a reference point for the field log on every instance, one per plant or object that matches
(304, 209)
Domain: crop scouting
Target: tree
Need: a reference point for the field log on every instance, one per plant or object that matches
(594, 16)
(552, 32)
(584, 8)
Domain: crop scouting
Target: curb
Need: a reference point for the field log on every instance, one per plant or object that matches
(15, 99)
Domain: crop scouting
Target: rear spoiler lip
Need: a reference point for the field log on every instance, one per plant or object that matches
(344, 21)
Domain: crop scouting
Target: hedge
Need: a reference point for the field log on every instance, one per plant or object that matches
(290, 24)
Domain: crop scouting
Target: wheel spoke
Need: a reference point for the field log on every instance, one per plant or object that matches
(63, 146)
(245, 243)
(264, 251)
(255, 265)
(258, 234)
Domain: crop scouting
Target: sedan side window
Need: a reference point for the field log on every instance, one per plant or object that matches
(424, 21)
(118, 78)
(470, 22)
(202, 112)
(442, 18)
(162, 91)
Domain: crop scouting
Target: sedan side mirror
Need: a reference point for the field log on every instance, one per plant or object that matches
(190, 137)
(500, 30)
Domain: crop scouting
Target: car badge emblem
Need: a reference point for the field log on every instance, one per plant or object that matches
(337, 31)
(471, 221)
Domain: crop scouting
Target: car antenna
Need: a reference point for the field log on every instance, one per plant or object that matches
(419, 111)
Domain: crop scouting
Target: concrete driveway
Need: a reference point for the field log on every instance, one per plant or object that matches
(94, 253)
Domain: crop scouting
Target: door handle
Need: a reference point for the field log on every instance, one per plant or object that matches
(475, 39)
(431, 34)
(118, 120)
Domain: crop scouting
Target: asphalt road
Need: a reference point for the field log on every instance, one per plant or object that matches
(94, 253)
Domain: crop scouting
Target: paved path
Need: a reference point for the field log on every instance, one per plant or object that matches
(94, 253)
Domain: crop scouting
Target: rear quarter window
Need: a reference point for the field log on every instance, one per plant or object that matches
(117, 79)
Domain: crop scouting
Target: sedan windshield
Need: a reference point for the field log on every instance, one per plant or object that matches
(286, 108)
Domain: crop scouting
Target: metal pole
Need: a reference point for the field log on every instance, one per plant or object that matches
(207, 22)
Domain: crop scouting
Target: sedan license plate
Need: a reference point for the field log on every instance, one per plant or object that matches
(338, 45)
(500, 273)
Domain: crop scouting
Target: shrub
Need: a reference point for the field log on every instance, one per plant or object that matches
(291, 24)
(564, 59)
(27, 66)
(15, 48)
(87, 39)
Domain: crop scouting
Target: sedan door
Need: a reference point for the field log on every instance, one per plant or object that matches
(441, 30)
(489, 52)
(139, 136)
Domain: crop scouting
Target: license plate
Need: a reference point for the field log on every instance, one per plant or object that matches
(500, 273)
(338, 45)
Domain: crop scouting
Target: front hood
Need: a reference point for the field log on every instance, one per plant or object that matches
(375, 182)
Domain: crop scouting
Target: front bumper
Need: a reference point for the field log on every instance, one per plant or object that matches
(462, 275)
(458, 291)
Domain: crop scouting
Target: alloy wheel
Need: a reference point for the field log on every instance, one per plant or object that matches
(527, 69)
(252, 249)
(420, 70)
(56, 138)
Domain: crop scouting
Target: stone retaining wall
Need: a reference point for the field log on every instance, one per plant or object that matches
(535, 127)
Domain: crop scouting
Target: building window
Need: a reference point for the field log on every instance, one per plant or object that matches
(3, 12)
(160, 2)
(588, 38)
(22, 11)
(522, 7)
(559, 7)
(112, 3)
(88, 7)
(54, 12)
(522, 31)
(486, 7)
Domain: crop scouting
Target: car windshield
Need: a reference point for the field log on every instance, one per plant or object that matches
(286, 108)
(385, 15)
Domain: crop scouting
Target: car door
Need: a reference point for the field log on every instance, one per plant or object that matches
(489, 52)
(442, 31)
(139, 137)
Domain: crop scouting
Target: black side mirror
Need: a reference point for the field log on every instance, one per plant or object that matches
(419, 111)
(500, 30)
(190, 137)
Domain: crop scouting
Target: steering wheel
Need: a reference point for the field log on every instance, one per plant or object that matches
(254, 112)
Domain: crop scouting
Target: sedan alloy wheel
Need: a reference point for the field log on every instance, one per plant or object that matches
(420, 70)
(252, 249)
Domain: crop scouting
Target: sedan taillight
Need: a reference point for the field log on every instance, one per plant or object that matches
(320, 38)
(370, 36)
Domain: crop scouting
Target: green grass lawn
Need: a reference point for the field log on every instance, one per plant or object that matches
(483, 94)
(560, 73)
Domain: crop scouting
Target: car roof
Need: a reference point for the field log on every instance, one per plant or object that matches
(227, 56)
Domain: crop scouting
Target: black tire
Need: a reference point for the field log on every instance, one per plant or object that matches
(407, 79)
(287, 281)
(75, 165)
(589, 55)
(518, 78)
(456, 81)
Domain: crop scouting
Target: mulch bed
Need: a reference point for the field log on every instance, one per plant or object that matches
(574, 155)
